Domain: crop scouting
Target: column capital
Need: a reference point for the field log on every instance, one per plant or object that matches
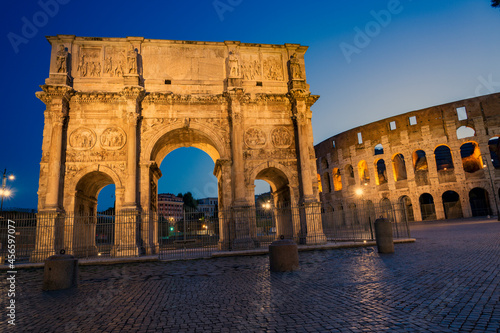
(55, 93)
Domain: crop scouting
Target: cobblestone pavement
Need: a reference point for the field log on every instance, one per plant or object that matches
(447, 281)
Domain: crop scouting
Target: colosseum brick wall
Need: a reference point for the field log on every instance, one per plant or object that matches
(441, 162)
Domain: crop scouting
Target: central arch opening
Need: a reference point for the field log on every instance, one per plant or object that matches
(185, 195)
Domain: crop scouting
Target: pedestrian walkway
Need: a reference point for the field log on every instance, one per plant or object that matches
(447, 281)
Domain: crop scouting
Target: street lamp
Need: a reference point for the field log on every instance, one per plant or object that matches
(494, 192)
(5, 192)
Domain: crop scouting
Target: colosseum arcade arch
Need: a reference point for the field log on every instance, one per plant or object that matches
(494, 147)
(471, 157)
(242, 104)
(479, 202)
(427, 208)
(452, 205)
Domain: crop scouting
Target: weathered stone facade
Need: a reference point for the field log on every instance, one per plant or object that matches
(423, 163)
(115, 107)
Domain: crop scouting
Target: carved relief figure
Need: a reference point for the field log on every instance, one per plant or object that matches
(108, 65)
(281, 138)
(119, 68)
(273, 69)
(113, 138)
(62, 59)
(251, 68)
(82, 68)
(132, 60)
(89, 63)
(233, 65)
(255, 138)
(295, 68)
(82, 139)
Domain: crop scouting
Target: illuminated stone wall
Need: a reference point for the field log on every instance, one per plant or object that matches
(442, 162)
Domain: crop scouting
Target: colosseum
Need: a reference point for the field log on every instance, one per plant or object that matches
(438, 163)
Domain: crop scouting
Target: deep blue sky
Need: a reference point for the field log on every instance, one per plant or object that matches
(429, 52)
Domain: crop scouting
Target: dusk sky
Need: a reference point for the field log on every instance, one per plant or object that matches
(367, 59)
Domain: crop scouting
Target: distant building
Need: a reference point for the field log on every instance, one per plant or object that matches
(208, 206)
(170, 207)
(264, 200)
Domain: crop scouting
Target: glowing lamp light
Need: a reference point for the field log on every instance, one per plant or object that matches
(359, 191)
(5, 193)
(11, 177)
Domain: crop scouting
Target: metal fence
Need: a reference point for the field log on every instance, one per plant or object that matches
(357, 221)
(131, 234)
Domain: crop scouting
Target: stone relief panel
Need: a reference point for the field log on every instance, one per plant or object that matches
(89, 62)
(273, 67)
(94, 156)
(255, 138)
(281, 137)
(251, 67)
(149, 124)
(114, 62)
(113, 138)
(82, 139)
(276, 154)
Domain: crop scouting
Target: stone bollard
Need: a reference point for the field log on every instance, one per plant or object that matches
(383, 235)
(283, 255)
(60, 272)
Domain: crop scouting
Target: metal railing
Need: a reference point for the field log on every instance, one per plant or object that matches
(356, 222)
(132, 234)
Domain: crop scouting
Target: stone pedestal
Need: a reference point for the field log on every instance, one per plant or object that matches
(58, 79)
(131, 79)
(383, 235)
(60, 272)
(283, 256)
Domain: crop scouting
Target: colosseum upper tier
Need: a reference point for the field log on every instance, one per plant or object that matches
(441, 162)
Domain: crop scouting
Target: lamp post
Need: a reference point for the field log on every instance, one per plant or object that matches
(5, 192)
(485, 165)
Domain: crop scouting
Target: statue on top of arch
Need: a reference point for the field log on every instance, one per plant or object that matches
(132, 60)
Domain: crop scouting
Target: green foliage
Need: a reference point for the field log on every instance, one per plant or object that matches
(495, 3)
(189, 201)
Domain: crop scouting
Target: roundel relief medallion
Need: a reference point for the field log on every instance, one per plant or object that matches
(113, 138)
(82, 139)
(281, 137)
(255, 138)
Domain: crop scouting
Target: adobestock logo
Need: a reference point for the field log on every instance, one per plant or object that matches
(372, 29)
(221, 7)
(487, 85)
(29, 28)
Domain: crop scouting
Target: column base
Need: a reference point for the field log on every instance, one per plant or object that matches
(316, 239)
(241, 244)
(131, 79)
(84, 251)
(125, 251)
(40, 256)
(223, 246)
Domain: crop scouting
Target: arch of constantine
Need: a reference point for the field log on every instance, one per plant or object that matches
(440, 163)
(115, 107)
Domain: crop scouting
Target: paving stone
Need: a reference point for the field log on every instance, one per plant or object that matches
(447, 281)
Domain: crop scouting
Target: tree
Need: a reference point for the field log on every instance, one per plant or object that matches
(495, 3)
(189, 201)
